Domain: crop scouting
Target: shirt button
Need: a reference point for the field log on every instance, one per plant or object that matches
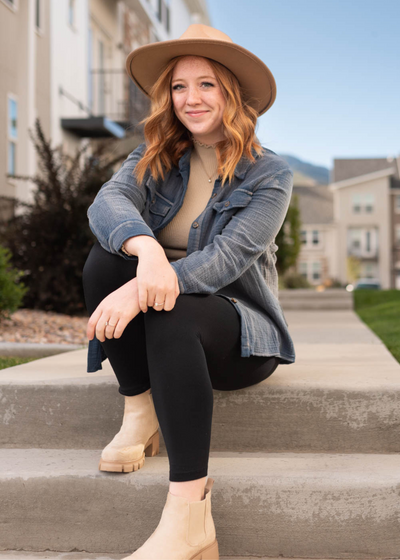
(153, 201)
(227, 203)
(234, 300)
(195, 225)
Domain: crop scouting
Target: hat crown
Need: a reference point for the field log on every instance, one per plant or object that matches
(201, 31)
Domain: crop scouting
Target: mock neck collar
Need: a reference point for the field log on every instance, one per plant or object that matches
(240, 170)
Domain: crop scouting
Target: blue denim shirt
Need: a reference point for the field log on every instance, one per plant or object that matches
(231, 248)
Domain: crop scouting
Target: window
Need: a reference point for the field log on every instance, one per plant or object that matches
(316, 270)
(71, 12)
(362, 242)
(38, 14)
(357, 201)
(369, 202)
(397, 203)
(90, 76)
(369, 270)
(163, 12)
(315, 237)
(303, 268)
(101, 107)
(303, 236)
(363, 202)
(397, 239)
(12, 134)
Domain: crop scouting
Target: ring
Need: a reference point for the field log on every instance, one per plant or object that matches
(108, 324)
(158, 304)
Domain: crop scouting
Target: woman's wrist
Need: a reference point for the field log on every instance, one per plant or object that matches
(140, 245)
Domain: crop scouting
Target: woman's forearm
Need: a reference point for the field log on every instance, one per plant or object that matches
(141, 245)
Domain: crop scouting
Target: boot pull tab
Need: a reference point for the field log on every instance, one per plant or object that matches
(209, 485)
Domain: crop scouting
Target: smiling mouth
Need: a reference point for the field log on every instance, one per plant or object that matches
(196, 114)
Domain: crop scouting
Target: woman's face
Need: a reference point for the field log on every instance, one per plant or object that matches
(197, 99)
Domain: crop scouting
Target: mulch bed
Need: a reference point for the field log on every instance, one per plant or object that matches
(28, 325)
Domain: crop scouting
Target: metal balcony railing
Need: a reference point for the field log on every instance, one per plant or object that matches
(114, 95)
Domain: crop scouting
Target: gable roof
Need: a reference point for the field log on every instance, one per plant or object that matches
(350, 168)
(315, 204)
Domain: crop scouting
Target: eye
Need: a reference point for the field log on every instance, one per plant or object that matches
(202, 83)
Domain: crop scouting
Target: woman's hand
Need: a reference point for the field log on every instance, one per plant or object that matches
(157, 282)
(118, 308)
(157, 279)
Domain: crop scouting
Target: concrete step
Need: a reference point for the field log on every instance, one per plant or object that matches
(341, 395)
(308, 299)
(278, 504)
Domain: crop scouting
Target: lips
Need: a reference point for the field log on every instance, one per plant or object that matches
(196, 113)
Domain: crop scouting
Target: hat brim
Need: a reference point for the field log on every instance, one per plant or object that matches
(145, 64)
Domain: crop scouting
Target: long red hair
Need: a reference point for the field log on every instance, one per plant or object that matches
(167, 138)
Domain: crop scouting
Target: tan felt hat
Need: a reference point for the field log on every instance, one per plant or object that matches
(145, 64)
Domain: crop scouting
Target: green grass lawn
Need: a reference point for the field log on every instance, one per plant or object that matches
(380, 310)
(9, 361)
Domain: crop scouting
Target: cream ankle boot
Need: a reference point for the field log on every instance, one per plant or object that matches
(186, 531)
(137, 437)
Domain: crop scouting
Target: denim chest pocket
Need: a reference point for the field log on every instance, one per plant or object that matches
(238, 199)
(159, 205)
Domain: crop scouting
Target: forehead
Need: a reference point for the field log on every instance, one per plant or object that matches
(192, 65)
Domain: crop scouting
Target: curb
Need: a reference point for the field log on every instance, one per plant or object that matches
(35, 349)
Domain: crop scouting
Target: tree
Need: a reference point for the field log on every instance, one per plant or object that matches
(51, 239)
(288, 238)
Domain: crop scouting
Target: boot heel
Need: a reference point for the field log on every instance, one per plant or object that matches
(153, 445)
(211, 553)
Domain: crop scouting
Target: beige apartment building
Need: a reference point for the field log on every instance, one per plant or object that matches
(356, 218)
(63, 61)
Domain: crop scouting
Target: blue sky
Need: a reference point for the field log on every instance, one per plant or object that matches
(337, 68)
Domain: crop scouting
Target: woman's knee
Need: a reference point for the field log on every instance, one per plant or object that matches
(181, 321)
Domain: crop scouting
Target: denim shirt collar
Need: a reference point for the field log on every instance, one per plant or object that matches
(240, 170)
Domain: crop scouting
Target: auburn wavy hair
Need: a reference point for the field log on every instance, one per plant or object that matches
(167, 138)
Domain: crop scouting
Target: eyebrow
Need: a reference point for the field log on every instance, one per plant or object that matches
(199, 78)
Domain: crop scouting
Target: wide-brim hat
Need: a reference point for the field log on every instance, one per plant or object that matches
(146, 63)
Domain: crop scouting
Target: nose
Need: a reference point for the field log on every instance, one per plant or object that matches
(193, 96)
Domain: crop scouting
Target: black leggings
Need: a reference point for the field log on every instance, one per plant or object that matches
(182, 354)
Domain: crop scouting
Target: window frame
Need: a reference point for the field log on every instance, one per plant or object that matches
(10, 139)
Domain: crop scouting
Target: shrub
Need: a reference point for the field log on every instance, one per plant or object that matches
(12, 290)
(51, 240)
(293, 280)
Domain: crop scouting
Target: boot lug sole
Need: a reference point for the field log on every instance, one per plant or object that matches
(152, 448)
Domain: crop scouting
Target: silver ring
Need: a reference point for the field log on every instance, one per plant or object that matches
(108, 324)
(159, 304)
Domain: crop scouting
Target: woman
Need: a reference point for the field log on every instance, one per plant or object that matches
(185, 234)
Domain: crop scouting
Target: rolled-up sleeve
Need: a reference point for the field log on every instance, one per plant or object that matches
(241, 242)
(115, 214)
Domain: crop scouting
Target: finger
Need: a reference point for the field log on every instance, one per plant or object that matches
(91, 326)
(110, 328)
(160, 298)
(169, 301)
(120, 327)
(142, 297)
(100, 327)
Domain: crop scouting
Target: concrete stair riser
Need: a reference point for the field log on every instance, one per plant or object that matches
(87, 416)
(333, 506)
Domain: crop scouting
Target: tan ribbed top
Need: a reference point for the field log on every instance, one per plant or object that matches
(174, 236)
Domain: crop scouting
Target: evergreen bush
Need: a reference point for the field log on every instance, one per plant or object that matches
(12, 290)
